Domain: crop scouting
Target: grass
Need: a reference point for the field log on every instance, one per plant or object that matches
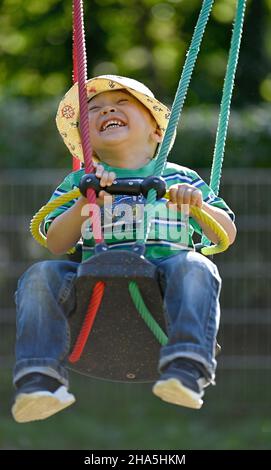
(110, 416)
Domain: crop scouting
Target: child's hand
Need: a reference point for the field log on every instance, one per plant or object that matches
(106, 179)
(180, 194)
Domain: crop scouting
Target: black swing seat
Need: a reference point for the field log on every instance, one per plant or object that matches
(120, 346)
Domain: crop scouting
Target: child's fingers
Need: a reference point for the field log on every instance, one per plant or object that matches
(104, 178)
(99, 170)
(107, 178)
(111, 178)
(172, 205)
(102, 194)
(184, 195)
(196, 198)
(100, 199)
(173, 195)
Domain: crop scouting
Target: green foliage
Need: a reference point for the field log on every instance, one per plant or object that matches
(29, 138)
(144, 39)
(247, 145)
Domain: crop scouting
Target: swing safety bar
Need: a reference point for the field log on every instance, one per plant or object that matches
(200, 214)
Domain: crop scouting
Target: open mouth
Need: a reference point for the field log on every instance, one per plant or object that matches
(112, 124)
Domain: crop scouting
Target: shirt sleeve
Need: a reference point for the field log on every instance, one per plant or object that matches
(66, 186)
(210, 198)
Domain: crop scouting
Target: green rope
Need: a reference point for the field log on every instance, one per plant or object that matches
(163, 153)
(223, 121)
(146, 314)
(173, 123)
(183, 84)
(178, 105)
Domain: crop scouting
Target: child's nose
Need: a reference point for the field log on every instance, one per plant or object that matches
(108, 109)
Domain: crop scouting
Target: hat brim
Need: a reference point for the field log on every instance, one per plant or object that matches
(67, 118)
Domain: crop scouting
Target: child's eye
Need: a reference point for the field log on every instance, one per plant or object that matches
(122, 100)
(93, 108)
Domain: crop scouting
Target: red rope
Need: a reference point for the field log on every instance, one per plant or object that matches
(80, 75)
(93, 308)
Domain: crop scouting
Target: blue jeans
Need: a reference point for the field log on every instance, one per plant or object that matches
(46, 297)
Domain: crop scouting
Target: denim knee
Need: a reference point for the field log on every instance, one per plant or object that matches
(197, 261)
(187, 261)
(41, 278)
(41, 270)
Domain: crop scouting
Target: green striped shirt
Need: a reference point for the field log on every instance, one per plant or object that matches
(170, 231)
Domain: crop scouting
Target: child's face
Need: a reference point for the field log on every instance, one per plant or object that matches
(117, 118)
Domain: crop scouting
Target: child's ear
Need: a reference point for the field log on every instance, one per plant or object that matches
(157, 135)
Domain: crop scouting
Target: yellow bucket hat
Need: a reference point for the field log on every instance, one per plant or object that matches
(67, 118)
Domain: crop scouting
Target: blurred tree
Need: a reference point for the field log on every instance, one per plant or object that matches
(254, 65)
(145, 39)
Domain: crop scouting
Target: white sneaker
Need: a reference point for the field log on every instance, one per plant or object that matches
(173, 391)
(40, 404)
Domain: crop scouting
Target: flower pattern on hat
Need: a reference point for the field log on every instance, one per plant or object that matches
(68, 111)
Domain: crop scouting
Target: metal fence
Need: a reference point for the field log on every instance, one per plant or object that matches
(245, 333)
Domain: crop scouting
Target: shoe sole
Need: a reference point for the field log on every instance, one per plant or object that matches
(173, 391)
(40, 405)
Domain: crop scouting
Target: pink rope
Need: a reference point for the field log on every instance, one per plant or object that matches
(82, 79)
(74, 55)
(81, 59)
(80, 75)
